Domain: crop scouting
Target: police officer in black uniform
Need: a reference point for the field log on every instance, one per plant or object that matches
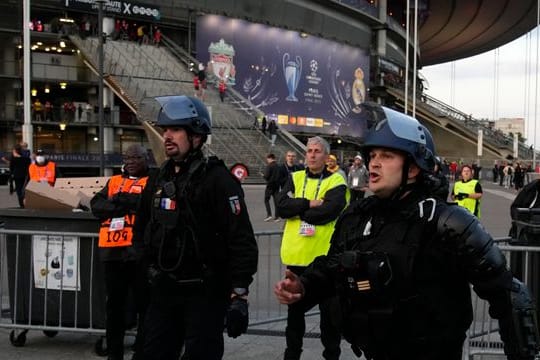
(401, 261)
(201, 250)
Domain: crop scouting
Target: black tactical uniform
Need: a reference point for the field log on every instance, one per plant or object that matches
(200, 246)
(402, 266)
(418, 306)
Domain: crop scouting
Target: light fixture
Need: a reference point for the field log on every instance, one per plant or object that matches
(47, 89)
(47, 49)
(34, 92)
(19, 46)
(303, 35)
(39, 43)
(59, 50)
(53, 48)
(63, 126)
(339, 141)
(62, 44)
(63, 85)
(67, 20)
(96, 138)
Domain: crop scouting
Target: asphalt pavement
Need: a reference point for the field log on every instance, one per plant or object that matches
(263, 342)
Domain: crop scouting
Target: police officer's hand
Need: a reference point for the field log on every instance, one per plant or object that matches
(237, 317)
(461, 196)
(290, 289)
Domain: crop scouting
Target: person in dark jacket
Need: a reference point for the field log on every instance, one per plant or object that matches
(288, 167)
(18, 167)
(201, 249)
(115, 205)
(402, 261)
(272, 176)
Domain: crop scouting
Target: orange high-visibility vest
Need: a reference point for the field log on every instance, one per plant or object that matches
(43, 173)
(108, 236)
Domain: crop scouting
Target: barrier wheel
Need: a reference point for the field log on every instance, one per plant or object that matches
(101, 347)
(50, 333)
(17, 340)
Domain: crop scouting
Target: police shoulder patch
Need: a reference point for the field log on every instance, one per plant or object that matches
(234, 203)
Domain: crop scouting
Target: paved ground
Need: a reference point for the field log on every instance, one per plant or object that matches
(65, 345)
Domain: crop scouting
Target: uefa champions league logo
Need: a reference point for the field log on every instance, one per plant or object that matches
(292, 71)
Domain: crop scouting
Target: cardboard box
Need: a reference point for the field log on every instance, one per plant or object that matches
(85, 187)
(43, 196)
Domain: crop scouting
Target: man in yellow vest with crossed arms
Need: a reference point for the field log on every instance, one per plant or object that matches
(311, 201)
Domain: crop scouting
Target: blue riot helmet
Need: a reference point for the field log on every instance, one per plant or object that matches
(430, 157)
(184, 111)
(395, 130)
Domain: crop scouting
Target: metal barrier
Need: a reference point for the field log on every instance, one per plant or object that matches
(52, 282)
(38, 291)
(49, 281)
(483, 335)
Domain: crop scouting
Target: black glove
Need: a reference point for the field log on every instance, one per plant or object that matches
(237, 317)
(461, 196)
(126, 200)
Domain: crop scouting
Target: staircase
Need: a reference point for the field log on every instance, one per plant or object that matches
(137, 72)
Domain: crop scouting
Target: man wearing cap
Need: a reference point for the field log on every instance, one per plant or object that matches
(43, 170)
(357, 179)
(333, 167)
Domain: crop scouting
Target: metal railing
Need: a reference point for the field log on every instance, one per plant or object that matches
(492, 136)
(51, 281)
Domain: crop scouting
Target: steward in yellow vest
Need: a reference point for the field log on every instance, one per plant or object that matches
(311, 201)
(308, 229)
(468, 191)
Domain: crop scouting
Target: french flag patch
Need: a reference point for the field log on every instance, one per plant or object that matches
(168, 204)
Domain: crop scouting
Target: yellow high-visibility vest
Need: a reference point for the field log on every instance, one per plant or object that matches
(473, 205)
(300, 250)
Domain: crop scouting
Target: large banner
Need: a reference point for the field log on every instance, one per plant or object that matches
(304, 83)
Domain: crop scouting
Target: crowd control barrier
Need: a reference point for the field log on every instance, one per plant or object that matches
(50, 275)
(51, 281)
(483, 336)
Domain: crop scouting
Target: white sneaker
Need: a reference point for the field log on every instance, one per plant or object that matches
(268, 218)
(277, 219)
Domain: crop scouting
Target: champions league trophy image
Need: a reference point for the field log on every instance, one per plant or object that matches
(292, 71)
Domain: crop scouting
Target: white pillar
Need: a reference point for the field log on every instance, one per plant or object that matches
(27, 130)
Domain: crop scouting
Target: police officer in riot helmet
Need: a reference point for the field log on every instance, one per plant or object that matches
(435, 179)
(201, 250)
(401, 261)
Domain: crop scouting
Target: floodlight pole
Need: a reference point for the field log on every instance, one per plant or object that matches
(100, 90)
